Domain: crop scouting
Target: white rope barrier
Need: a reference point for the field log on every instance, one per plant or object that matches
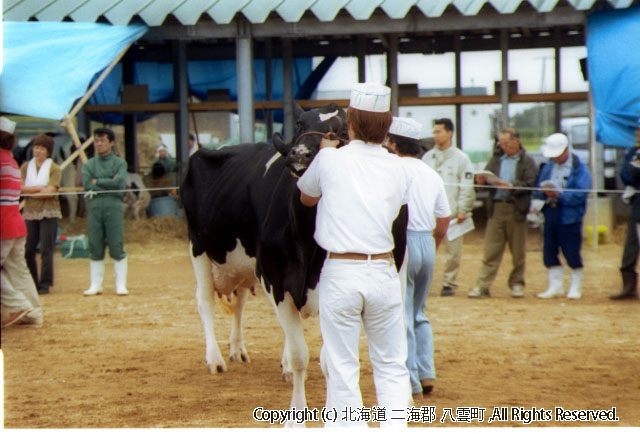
(95, 193)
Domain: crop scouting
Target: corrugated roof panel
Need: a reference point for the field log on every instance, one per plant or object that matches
(189, 12)
(224, 10)
(91, 10)
(469, 7)
(326, 10)
(582, 4)
(433, 8)
(257, 11)
(155, 13)
(362, 9)
(121, 14)
(618, 4)
(8, 4)
(292, 10)
(21, 11)
(543, 5)
(57, 10)
(505, 6)
(397, 9)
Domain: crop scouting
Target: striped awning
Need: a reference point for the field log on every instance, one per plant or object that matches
(189, 12)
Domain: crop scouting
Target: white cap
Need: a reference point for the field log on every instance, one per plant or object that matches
(554, 145)
(162, 146)
(7, 125)
(406, 127)
(370, 97)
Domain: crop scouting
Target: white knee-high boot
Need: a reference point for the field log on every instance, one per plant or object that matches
(555, 283)
(97, 274)
(575, 291)
(120, 267)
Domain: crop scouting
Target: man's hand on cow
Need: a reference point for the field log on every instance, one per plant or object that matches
(326, 143)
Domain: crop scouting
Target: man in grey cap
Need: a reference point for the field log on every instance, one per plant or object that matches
(563, 213)
(630, 176)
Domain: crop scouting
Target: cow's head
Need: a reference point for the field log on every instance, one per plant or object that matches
(310, 127)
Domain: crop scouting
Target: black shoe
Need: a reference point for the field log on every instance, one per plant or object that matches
(447, 291)
(629, 287)
(43, 290)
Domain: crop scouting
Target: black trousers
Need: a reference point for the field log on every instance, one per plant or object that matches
(43, 232)
(631, 245)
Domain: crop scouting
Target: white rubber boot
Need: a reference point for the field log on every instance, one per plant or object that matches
(575, 290)
(120, 267)
(555, 283)
(97, 274)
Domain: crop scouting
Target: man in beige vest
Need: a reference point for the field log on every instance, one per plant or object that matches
(454, 166)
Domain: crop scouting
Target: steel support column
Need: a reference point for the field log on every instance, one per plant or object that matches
(244, 71)
(392, 72)
(180, 85)
(287, 88)
(504, 83)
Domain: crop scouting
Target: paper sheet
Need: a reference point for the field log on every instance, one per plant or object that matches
(489, 175)
(457, 230)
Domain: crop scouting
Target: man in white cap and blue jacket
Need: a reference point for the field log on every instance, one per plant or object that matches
(429, 215)
(563, 213)
(359, 189)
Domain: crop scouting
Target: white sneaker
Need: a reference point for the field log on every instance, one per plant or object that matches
(517, 291)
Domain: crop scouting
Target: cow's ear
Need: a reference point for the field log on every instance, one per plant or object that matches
(297, 110)
(280, 145)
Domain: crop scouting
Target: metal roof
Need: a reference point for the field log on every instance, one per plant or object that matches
(189, 12)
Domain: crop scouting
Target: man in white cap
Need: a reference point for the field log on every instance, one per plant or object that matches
(18, 290)
(360, 189)
(563, 213)
(630, 175)
(165, 163)
(454, 166)
(429, 216)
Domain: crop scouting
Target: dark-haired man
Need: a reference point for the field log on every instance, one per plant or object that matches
(429, 216)
(507, 212)
(102, 175)
(454, 166)
(360, 189)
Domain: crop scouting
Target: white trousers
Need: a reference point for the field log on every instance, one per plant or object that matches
(18, 289)
(355, 294)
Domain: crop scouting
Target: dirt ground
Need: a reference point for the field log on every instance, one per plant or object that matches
(138, 361)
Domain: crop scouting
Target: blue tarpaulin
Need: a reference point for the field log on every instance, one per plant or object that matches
(49, 65)
(613, 47)
(203, 75)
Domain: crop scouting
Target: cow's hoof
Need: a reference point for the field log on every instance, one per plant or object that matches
(240, 357)
(217, 368)
(287, 377)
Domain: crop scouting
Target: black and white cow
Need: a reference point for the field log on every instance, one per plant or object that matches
(247, 225)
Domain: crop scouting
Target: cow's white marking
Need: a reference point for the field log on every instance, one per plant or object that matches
(236, 275)
(295, 356)
(297, 166)
(271, 161)
(327, 116)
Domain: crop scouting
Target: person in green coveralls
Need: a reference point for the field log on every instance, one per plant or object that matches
(101, 175)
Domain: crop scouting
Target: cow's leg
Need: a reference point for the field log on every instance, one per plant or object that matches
(206, 306)
(296, 351)
(238, 353)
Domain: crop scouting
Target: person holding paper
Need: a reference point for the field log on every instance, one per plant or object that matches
(563, 213)
(429, 216)
(630, 175)
(507, 210)
(454, 166)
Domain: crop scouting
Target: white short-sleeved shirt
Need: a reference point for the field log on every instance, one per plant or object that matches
(427, 195)
(363, 187)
